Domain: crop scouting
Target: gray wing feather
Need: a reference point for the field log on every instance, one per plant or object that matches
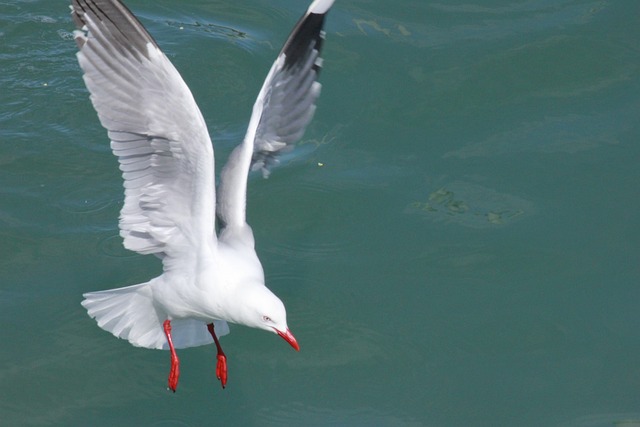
(283, 109)
(290, 97)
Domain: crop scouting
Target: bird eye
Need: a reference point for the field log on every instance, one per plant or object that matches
(267, 319)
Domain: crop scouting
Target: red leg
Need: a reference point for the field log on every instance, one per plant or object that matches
(175, 363)
(221, 367)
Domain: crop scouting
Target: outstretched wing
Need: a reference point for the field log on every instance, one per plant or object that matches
(284, 107)
(156, 131)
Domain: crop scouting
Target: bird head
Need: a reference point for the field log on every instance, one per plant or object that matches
(264, 310)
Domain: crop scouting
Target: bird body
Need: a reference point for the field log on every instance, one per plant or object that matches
(167, 161)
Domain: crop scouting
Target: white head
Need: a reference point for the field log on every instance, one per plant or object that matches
(263, 310)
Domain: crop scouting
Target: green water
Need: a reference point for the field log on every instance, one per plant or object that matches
(456, 240)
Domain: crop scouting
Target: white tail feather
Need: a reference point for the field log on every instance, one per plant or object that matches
(129, 313)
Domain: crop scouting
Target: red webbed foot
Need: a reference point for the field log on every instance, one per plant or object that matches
(221, 369)
(174, 373)
(221, 366)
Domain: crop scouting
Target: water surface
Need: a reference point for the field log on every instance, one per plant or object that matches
(456, 238)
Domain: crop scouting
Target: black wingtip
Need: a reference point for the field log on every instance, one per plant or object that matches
(306, 35)
(122, 25)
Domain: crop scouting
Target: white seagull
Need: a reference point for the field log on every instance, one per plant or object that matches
(167, 162)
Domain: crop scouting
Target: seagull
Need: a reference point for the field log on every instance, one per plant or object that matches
(211, 273)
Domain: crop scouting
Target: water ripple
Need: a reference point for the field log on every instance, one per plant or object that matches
(112, 246)
(85, 200)
(309, 249)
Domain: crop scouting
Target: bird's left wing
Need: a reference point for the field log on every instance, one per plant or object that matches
(284, 107)
(156, 131)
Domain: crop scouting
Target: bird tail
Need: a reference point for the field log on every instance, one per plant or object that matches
(129, 313)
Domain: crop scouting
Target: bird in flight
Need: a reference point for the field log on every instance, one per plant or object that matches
(171, 202)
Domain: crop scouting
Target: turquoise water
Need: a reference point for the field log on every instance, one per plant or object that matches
(456, 238)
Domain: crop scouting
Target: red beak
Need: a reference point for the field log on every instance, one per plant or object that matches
(288, 337)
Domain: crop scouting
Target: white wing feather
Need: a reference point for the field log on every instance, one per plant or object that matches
(156, 131)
